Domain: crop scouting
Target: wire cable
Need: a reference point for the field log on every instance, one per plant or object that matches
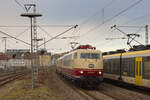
(12, 26)
(23, 32)
(137, 18)
(126, 34)
(131, 6)
(40, 25)
(44, 31)
(15, 38)
(96, 13)
(132, 26)
(20, 5)
(58, 35)
(138, 30)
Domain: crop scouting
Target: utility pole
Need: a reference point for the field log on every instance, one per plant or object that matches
(146, 34)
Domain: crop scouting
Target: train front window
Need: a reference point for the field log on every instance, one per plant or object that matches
(89, 56)
(94, 56)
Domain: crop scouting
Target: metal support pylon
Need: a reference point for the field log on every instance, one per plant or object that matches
(28, 7)
(35, 43)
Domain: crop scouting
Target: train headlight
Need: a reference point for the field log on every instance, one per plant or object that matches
(81, 72)
(100, 72)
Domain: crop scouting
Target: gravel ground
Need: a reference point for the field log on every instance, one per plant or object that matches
(48, 87)
(121, 93)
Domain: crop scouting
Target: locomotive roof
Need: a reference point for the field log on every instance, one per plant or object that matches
(83, 50)
(89, 50)
(134, 48)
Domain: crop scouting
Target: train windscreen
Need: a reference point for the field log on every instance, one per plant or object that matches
(89, 56)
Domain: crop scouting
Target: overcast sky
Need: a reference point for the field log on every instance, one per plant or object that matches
(88, 14)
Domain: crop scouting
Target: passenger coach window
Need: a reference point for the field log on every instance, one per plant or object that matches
(89, 56)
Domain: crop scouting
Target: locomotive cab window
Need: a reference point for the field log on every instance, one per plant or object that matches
(89, 56)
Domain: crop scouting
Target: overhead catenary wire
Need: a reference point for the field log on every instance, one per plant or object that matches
(110, 3)
(23, 32)
(27, 1)
(137, 18)
(139, 28)
(56, 25)
(24, 1)
(95, 14)
(14, 38)
(126, 34)
(20, 5)
(44, 31)
(132, 26)
(110, 19)
(10, 26)
(10, 44)
(58, 35)
(131, 6)
(40, 25)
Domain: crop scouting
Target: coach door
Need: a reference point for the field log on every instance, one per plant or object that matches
(138, 71)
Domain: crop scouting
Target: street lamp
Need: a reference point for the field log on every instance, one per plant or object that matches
(31, 16)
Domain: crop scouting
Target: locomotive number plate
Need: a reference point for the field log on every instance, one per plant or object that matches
(91, 65)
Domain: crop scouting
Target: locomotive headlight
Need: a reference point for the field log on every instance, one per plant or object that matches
(81, 72)
(100, 72)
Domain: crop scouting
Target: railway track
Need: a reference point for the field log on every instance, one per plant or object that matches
(110, 92)
(8, 77)
(121, 93)
(107, 92)
(95, 95)
(88, 94)
(131, 87)
(6, 73)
